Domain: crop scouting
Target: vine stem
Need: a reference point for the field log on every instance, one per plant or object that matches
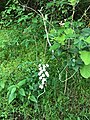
(41, 94)
(73, 15)
(65, 88)
(84, 14)
(40, 14)
(45, 26)
(69, 77)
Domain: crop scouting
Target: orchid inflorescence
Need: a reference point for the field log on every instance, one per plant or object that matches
(43, 74)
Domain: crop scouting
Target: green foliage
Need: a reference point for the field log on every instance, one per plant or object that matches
(85, 56)
(68, 42)
(24, 38)
(85, 71)
(73, 2)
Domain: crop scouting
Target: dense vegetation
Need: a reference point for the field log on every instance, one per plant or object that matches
(44, 60)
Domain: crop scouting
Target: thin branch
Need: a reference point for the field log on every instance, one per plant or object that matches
(28, 2)
(65, 88)
(44, 21)
(45, 26)
(37, 12)
(69, 77)
(41, 93)
(84, 14)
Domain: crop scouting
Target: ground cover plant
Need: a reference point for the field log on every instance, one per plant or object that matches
(44, 60)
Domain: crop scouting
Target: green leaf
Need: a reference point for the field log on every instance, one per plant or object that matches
(33, 99)
(11, 87)
(88, 40)
(21, 83)
(54, 46)
(2, 84)
(69, 31)
(61, 39)
(85, 71)
(12, 95)
(85, 32)
(22, 92)
(50, 4)
(34, 20)
(73, 2)
(85, 56)
(52, 31)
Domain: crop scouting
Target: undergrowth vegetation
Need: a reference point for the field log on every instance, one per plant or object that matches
(44, 60)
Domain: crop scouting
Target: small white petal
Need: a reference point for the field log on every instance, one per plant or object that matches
(43, 81)
(47, 74)
(41, 86)
(39, 73)
(44, 69)
(47, 65)
(40, 68)
(43, 75)
(40, 77)
(44, 66)
(39, 65)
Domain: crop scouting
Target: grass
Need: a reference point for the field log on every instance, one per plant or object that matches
(53, 104)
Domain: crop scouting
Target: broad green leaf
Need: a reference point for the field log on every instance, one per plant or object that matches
(54, 46)
(88, 40)
(85, 32)
(11, 87)
(2, 83)
(49, 4)
(22, 92)
(69, 31)
(33, 99)
(12, 95)
(60, 31)
(13, 90)
(34, 20)
(85, 56)
(73, 2)
(85, 71)
(21, 83)
(52, 31)
(60, 39)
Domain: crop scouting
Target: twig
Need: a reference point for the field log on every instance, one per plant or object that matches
(45, 26)
(84, 14)
(69, 77)
(44, 21)
(62, 71)
(65, 88)
(73, 15)
(41, 94)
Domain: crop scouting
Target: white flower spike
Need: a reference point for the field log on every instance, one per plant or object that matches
(41, 86)
(47, 74)
(47, 65)
(43, 75)
(40, 68)
(39, 65)
(43, 81)
(40, 78)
